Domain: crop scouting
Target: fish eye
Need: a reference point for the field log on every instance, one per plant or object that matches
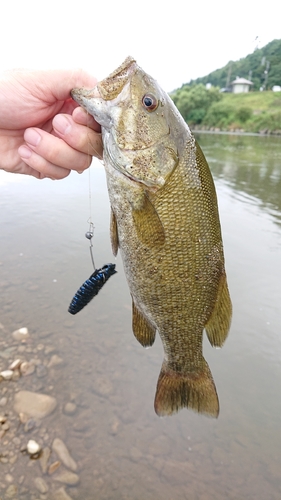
(150, 102)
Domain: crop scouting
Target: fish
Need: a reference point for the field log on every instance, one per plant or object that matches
(165, 222)
(91, 288)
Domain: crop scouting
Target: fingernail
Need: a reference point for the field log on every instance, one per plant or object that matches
(32, 137)
(24, 152)
(61, 124)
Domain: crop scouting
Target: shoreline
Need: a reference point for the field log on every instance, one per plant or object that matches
(235, 132)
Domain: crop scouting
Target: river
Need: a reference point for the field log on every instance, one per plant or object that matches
(123, 450)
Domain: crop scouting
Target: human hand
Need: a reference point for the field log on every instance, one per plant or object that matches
(43, 132)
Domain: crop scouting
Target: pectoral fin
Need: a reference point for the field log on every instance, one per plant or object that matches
(219, 321)
(143, 330)
(148, 225)
(114, 233)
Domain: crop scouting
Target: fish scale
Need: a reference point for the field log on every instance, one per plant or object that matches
(165, 222)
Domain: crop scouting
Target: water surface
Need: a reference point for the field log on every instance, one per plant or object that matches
(123, 449)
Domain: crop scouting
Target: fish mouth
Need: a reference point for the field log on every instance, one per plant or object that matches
(109, 88)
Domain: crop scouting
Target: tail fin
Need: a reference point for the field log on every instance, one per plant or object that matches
(194, 390)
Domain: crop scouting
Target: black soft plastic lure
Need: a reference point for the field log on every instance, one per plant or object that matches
(91, 288)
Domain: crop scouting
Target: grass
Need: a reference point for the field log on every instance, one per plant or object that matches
(250, 112)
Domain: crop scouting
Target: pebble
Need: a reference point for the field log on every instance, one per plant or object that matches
(16, 375)
(41, 485)
(29, 425)
(11, 491)
(16, 441)
(55, 360)
(15, 364)
(53, 467)
(34, 404)
(6, 374)
(69, 408)
(45, 455)
(32, 447)
(3, 401)
(27, 368)
(61, 494)
(20, 334)
(67, 477)
(61, 450)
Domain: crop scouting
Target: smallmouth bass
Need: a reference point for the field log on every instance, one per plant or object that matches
(165, 221)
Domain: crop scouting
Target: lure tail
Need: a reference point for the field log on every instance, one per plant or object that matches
(91, 288)
(194, 390)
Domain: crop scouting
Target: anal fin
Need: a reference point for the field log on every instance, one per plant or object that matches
(219, 322)
(143, 330)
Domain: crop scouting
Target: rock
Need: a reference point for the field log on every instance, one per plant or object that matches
(63, 454)
(33, 448)
(55, 360)
(15, 364)
(6, 374)
(69, 408)
(27, 368)
(61, 494)
(5, 427)
(41, 485)
(11, 491)
(29, 425)
(16, 375)
(34, 404)
(53, 467)
(67, 477)
(45, 455)
(20, 334)
(3, 401)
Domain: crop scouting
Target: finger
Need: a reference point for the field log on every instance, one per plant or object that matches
(82, 117)
(39, 167)
(80, 137)
(54, 151)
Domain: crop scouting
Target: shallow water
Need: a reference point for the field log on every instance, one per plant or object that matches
(123, 450)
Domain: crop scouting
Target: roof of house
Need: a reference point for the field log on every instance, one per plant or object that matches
(241, 81)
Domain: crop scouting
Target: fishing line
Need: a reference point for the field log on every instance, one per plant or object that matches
(90, 233)
(91, 287)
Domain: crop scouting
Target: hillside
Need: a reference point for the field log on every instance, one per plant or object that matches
(253, 67)
(209, 108)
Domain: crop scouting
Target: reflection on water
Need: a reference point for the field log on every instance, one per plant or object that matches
(123, 450)
(250, 165)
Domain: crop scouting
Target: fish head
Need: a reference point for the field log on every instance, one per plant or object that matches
(137, 119)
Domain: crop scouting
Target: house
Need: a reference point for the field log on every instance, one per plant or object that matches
(240, 85)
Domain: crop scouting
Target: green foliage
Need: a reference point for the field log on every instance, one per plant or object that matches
(252, 67)
(243, 114)
(194, 101)
(267, 121)
(252, 111)
(220, 115)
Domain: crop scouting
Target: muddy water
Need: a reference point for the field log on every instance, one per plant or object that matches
(123, 450)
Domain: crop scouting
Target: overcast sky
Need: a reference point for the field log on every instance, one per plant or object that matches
(187, 40)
